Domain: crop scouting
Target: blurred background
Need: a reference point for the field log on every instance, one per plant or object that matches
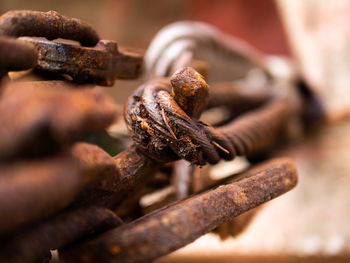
(134, 22)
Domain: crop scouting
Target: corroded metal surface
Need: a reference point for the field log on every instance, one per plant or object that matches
(56, 232)
(50, 25)
(38, 120)
(190, 91)
(54, 191)
(15, 55)
(157, 123)
(236, 97)
(168, 229)
(100, 65)
(257, 130)
(162, 130)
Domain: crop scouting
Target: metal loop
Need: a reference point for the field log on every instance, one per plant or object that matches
(50, 25)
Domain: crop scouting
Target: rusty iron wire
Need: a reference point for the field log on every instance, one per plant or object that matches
(164, 131)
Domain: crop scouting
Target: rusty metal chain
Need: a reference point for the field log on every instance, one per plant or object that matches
(96, 61)
(56, 190)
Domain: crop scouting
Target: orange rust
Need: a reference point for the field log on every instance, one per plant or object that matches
(115, 249)
(190, 91)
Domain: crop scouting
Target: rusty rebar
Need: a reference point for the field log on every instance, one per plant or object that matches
(236, 97)
(58, 231)
(100, 65)
(257, 130)
(50, 25)
(168, 229)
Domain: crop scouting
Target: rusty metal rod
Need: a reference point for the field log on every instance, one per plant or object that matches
(168, 229)
(50, 25)
(236, 97)
(257, 130)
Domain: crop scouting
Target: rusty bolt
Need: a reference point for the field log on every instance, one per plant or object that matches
(190, 91)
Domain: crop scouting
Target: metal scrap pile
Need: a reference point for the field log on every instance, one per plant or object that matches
(58, 192)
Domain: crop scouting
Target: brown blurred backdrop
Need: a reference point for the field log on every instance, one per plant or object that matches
(134, 22)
